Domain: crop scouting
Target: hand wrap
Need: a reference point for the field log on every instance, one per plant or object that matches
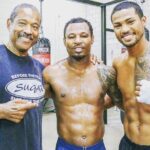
(144, 94)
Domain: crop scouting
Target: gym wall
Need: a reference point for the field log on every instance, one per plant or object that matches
(57, 13)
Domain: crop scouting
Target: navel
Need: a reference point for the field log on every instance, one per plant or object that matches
(63, 95)
(84, 137)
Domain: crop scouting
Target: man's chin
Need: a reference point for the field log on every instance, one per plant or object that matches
(23, 49)
(78, 58)
(129, 44)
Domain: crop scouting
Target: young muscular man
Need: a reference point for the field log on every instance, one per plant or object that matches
(134, 65)
(78, 88)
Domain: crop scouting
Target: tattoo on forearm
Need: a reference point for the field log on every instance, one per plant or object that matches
(108, 76)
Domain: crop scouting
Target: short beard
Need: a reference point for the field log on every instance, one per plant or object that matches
(133, 44)
(22, 50)
(78, 58)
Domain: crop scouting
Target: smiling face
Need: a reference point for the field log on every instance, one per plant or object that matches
(24, 30)
(128, 26)
(78, 40)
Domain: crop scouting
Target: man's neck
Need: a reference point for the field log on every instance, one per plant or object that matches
(11, 48)
(79, 66)
(139, 49)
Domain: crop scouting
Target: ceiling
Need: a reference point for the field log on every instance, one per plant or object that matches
(106, 1)
(102, 1)
(99, 2)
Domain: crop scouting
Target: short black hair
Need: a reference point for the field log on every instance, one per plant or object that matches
(20, 6)
(126, 5)
(78, 20)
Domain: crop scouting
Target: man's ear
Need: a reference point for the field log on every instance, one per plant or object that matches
(144, 20)
(8, 23)
(64, 41)
(92, 39)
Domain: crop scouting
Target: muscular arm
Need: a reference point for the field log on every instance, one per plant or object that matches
(46, 75)
(108, 76)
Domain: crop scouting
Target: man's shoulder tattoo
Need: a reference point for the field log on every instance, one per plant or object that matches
(143, 66)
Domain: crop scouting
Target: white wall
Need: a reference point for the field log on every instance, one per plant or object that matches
(55, 15)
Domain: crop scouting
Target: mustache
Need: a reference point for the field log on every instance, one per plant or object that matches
(78, 45)
(28, 36)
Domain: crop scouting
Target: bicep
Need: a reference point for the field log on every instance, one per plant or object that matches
(47, 86)
(47, 90)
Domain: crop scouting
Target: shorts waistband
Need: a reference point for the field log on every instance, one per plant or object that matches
(129, 141)
(68, 145)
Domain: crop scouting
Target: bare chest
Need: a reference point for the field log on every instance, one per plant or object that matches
(72, 88)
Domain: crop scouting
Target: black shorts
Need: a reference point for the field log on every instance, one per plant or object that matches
(126, 144)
